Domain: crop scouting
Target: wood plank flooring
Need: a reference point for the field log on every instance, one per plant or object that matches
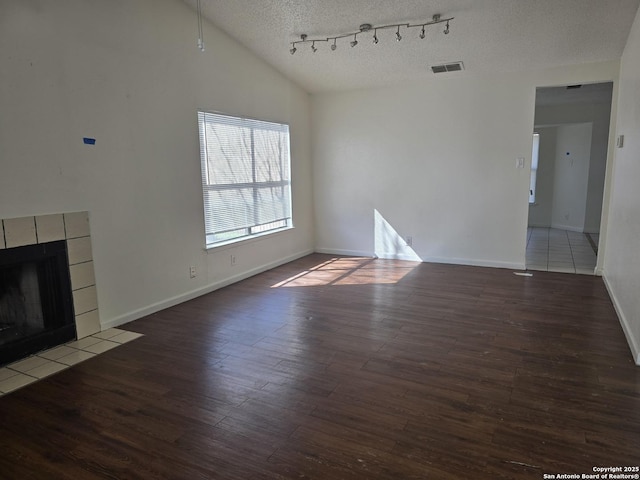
(346, 368)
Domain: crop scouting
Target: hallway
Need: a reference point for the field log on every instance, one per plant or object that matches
(553, 250)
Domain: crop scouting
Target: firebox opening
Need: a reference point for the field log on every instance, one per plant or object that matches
(36, 304)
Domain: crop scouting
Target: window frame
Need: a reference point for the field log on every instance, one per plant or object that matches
(256, 229)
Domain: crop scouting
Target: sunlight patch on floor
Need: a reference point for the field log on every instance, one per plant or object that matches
(350, 271)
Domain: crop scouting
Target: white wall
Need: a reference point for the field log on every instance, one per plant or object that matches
(128, 73)
(622, 253)
(571, 176)
(597, 168)
(540, 211)
(436, 159)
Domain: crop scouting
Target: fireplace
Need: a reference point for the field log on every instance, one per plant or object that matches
(48, 292)
(36, 304)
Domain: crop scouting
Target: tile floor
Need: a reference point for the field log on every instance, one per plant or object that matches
(553, 250)
(48, 362)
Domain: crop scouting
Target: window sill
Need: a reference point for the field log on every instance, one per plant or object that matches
(245, 240)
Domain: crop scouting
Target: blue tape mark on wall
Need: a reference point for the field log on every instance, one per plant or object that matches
(89, 141)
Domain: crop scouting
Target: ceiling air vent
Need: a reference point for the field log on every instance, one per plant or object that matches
(447, 67)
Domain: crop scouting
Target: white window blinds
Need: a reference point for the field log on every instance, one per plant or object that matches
(246, 177)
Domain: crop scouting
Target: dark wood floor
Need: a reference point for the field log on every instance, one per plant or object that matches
(332, 368)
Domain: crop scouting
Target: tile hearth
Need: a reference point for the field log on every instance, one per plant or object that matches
(48, 362)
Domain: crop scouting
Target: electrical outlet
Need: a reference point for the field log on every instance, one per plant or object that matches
(192, 271)
(233, 260)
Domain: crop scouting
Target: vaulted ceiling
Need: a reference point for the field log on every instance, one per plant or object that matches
(487, 35)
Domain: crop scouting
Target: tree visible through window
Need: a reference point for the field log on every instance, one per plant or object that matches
(246, 177)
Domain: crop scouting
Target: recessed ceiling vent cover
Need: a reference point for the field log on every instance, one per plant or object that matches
(447, 67)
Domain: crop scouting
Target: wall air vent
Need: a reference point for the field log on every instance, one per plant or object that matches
(447, 67)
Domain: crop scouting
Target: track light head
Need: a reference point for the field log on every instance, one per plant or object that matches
(355, 41)
(200, 30)
(422, 34)
(293, 50)
(333, 45)
(375, 36)
(398, 36)
(313, 47)
(446, 29)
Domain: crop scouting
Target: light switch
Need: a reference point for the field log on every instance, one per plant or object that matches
(520, 162)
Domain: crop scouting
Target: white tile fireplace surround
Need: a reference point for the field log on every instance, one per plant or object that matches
(74, 228)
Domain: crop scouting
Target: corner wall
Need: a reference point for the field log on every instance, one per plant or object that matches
(622, 253)
(599, 115)
(129, 74)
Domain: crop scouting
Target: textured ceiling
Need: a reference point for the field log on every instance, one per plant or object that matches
(487, 35)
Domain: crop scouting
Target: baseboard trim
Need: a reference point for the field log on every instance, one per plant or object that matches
(400, 256)
(567, 227)
(626, 328)
(476, 263)
(184, 297)
(445, 260)
(349, 253)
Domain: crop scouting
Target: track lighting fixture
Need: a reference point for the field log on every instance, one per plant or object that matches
(366, 27)
(200, 29)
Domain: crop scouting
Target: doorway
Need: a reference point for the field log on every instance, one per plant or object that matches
(567, 184)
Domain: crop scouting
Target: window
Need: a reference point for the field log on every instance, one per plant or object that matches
(534, 168)
(246, 177)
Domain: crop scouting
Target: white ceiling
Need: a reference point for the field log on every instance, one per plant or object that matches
(487, 35)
